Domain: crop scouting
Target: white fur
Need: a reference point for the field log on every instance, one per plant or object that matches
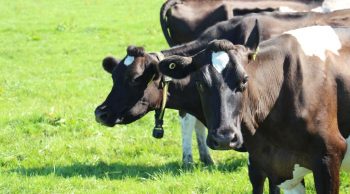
(201, 141)
(345, 165)
(332, 5)
(285, 9)
(167, 78)
(316, 40)
(129, 60)
(219, 60)
(188, 122)
(298, 174)
(187, 125)
(299, 189)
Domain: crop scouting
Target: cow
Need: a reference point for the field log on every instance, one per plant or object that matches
(131, 97)
(287, 99)
(184, 20)
(236, 30)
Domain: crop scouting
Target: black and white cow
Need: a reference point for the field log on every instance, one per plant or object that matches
(287, 99)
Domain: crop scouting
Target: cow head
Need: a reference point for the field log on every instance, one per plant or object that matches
(135, 90)
(221, 82)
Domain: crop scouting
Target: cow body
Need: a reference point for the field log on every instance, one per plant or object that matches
(291, 105)
(306, 121)
(238, 29)
(184, 20)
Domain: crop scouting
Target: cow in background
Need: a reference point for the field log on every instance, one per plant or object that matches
(184, 20)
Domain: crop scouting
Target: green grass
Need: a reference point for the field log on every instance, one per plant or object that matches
(51, 80)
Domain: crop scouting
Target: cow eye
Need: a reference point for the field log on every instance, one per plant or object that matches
(134, 82)
(245, 79)
(243, 84)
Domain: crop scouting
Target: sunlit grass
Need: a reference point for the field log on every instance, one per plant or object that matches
(51, 80)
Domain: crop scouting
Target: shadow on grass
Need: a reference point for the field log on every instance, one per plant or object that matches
(123, 171)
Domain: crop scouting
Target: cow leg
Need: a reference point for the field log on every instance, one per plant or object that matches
(326, 176)
(187, 125)
(273, 188)
(327, 167)
(256, 176)
(204, 153)
(326, 173)
(326, 170)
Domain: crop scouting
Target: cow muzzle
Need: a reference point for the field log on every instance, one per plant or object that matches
(104, 116)
(224, 139)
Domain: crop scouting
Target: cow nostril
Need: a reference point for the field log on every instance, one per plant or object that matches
(103, 116)
(234, 139)
(215, 144)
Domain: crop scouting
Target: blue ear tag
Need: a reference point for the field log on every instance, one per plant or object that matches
(129, 60)
(219, 60)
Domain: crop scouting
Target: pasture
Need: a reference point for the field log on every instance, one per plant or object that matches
(51, 80)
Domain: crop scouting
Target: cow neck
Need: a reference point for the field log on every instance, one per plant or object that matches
(178, 94)
(186, 49)
(265, 81)
(183, 96)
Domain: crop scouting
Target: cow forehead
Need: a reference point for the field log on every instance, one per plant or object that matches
(316, 40)
(219, 60)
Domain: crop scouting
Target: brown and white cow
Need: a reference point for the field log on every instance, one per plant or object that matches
(237, 30)
(184, 20)
(289, 101)
(131, 97)
(132, 89)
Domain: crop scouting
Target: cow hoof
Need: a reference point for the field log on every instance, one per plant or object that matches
(207, 160)
(187, 161)
(188, 166)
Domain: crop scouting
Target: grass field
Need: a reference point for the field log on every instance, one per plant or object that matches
(50, 82)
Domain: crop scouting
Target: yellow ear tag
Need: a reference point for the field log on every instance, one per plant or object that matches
(255, 53)
(172, 66)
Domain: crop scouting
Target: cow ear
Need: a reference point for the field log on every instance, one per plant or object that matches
(177, 67)
(253, 39)
(109, 63)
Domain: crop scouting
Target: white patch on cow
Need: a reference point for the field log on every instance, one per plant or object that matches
(316, 40)
(167, 78)
(318, 9)
(219, 60)
(129, 60)
(201, 141)
(285, 9)
(299, 189)
(187, 126)
(345, 165)
(332, 5)
(298, 175)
